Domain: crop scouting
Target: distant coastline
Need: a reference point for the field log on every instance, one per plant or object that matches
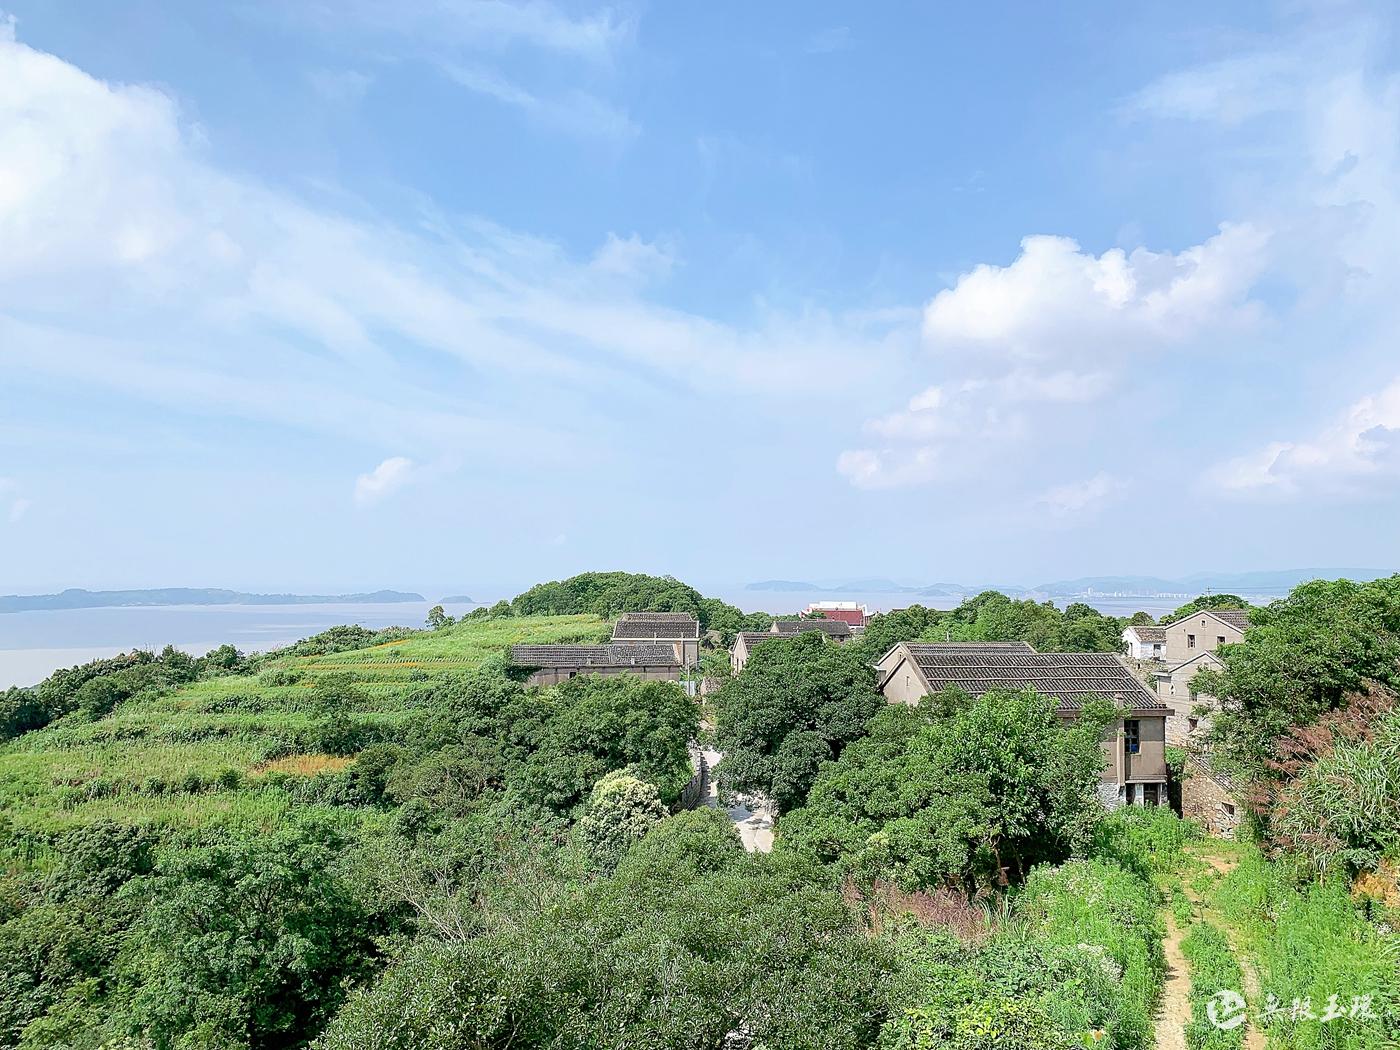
(78, 598)
(1271, 582)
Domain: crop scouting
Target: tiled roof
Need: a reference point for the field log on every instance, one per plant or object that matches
(1234, 617)
(971, 647)
(593, 656)
(1068, 677)
(1149, 634)
(752, 638)
(830, 628)
(666, 626)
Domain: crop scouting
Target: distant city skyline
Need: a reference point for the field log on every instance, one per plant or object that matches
(309, 298)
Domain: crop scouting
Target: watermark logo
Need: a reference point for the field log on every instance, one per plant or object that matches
(1227, 1009)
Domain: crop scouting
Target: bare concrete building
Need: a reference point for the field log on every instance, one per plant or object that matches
(1203, 631)
(1135, 768)
(1190, 709)
(680, 630)
(551, 664)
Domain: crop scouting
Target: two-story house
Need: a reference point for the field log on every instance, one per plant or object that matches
(1135, 768)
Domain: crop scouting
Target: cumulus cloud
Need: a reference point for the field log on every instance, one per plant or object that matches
(1057, 301)
(384, 479)
(1081, 498)
(1351, 455)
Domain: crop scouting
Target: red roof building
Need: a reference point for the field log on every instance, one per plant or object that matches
(847, 612)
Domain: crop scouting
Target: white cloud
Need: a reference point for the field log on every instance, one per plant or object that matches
(1228, 92)
(389, 476)
(234, 295)
(1081, 498)
(14, 505)
(1357, 454)
(1055, 301)
(574, 111)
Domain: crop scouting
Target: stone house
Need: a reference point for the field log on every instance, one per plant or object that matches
(681, 631)
(550, 664)
(1135, 768)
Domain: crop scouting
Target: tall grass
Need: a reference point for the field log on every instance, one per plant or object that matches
(1311, 943)
(1213, 969)
(1147, 840)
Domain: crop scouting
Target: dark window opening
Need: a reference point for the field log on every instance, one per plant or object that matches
(1190, 641)
(1132, 736)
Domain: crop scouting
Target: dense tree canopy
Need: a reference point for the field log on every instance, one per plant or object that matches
(1301, 658)
(798, 703)
(953, 790)
(1206, 601)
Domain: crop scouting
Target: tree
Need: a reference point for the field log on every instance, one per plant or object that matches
(333, 698)
(1302, 657)
(1207, 601)
(954, 790)
(248, 940)
(438, 619)
(621, 810)
(799, 702)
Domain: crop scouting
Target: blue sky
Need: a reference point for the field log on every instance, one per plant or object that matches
(445, 294)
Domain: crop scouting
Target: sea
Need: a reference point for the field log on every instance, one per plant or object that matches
(35, 644)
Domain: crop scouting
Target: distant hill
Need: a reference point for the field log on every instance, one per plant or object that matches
(782, 585)
(458, 599)
(75, 598)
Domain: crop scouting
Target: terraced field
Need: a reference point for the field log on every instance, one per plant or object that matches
(226, 748)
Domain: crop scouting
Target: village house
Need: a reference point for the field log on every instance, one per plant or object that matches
(680, 630)
(1205, 630)
(837, 631)
(1135, 767)
(1190, 710)
(551, 664)
(1145, 643)
(849, 612)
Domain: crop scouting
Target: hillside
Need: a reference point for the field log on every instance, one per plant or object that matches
(210, 750)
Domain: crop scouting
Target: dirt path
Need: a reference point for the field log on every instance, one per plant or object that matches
(1175, 1009)
(1253, 1037)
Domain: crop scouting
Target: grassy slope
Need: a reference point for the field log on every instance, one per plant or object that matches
(163, 759)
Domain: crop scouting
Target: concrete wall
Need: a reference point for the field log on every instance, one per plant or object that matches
(555, 675)
(1207, 632)
(904, 686)
(1174, 690)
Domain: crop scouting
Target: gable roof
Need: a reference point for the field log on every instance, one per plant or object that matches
(752, 638)
(1236, 618)
(1209, 655)
(607, 655)
(989, 647)
(664, 626)
(1148, 635)
(1070, 678)
(830, 628)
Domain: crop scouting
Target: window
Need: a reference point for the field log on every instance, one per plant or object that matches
(1229, 809)
(1192, 723)
(1132, 736)
(1149, 794)
(1190, 641)
(1219, 639)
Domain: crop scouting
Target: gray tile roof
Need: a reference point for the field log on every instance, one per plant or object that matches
(1067, 677)
(971, 647)
(1234, 617)
(830, 628)
(752, 638)
(1149, 634)
(664, 626)
(583, 656)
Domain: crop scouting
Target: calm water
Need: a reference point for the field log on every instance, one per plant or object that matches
(34, 644)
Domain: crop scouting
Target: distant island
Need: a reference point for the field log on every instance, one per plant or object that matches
(458, 599)
(1277, 581)
(76, 598)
